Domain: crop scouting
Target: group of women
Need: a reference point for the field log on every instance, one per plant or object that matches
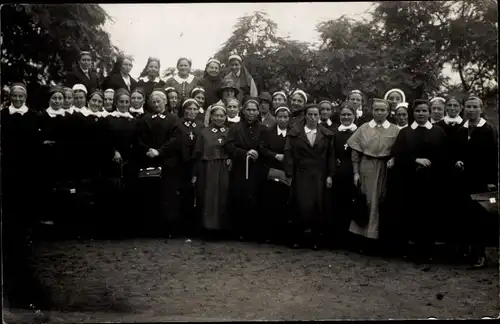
(211, 157)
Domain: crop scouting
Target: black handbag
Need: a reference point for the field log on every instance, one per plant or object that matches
(150, 173)
(278, 176)
(360, 212)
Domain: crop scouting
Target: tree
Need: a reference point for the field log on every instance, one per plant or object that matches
(41, 42)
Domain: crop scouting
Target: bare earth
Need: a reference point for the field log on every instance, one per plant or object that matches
(154, 280)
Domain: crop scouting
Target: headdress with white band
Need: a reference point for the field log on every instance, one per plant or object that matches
(213, 60)
(255, 101)
(282, 108)
(110, 91)
(437, 99)
(168, 89)
(197, 89)
(401, 93)
(19, 86)
(302, 93)
(235, 57)
(282, 93)
(188, 101)
(402, 105)
(80, 87)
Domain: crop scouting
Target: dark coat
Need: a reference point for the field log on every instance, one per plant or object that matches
(77, 76)
(271, 145)
(269, 121)
(309, 166)
(148, 87)
(115, 82)
(211, 86)
(365, 118)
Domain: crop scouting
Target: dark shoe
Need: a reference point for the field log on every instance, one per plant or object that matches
(479, 263)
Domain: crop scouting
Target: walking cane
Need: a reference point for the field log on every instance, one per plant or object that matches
(246, 167)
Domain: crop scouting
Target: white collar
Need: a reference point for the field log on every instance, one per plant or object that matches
(22, 110)
(161, 115)
(481, 123)
(117, 113)
(71, 110)
(359, 112)
(328, 122)
(53, 113)
(87, 112)
(281, 131)
(456, 120)
(386, 124)
(308, 130)
(401, 127)
(146, 79)
(427, 125)
(139, 111)
(87, 71)
(351, 127)
(189, 79)
(237, 74)
(435, 121)
(234, 119)
(106, 113)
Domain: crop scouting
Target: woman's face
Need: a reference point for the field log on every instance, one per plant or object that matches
(79, 99)
(401, 117)
(191, 111)
(157, 103)
(346, 117)
(228, 93)
(283, 117)
(325, 110)
(312, 116)
(126, 66)
(297, 103)
(173, 99)
(108, 101)
(96, 102)
(473, 109)
(437, 110)
(200, 98)
(356, 100)
(213, 69)
(68, 99)
(137, 100)
(232, 108)
(394, 98)
(57, 100)
(278, 100)
(17, 98)
(453, 108)
(218, 117)
(421, 114)
(123, 103)
(235, 66)
(264, 107)
(85, 61)
(184, 67)
(251, 111)
(380, 112)
(153, 69)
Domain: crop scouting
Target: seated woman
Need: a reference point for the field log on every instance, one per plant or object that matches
(241, 78)
(371, 147)
(150, 78)
(437, 109)
(275, 192)
(158, 147)
(394, 97)
(476, 155)
(183, 82)
(109, 95)
(211, 174)
(420, 154)
(310, 163)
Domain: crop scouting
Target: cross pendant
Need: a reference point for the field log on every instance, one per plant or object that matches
(220, 140)
(191, 136)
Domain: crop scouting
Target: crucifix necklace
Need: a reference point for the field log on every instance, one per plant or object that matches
(191, 136)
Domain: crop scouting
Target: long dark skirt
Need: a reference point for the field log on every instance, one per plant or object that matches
(170, 198)
(212, 194)
(190, 222)
(343, 194)
(275, 214)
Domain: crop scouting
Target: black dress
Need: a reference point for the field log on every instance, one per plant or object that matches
(148, 87)
(422, 186)
(115, 82)
(274, 194)
(77, 76)
(190, 132)
(243, 201)
(160, 199)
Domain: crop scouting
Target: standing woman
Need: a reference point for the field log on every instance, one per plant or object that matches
(183, 82)
(233, 111)
(452, 121)
(243, 141)
(173, 101)
(279, 99)
(158, 146)
(190, 128)
(266, 118)
(401, 115)
(211, 82)
(371, 147)
(357, 99)
(438, 105)
(109, 96)
(211, 173)
(198, 94)
(420, 153)
(150, 78)
(298, 101)
(83, 73)
(326, 113)
(476, 153)
(242, 78)
(137, 100)
(310, 164)
(120, 75)
(394, 97)
(275, 191)
(342, 181)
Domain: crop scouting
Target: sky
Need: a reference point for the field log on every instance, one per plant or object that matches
(198, 30)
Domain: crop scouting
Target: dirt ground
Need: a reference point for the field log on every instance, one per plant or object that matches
(155, 280)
